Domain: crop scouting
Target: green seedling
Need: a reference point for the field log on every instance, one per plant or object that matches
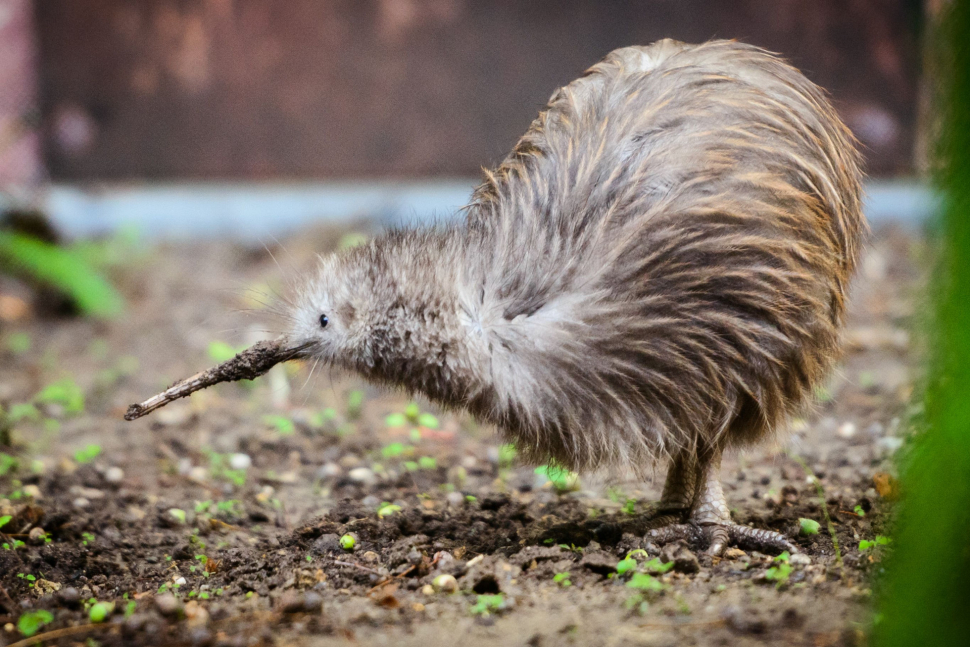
(387, 509)
(100, 611)
(177, 514)
(130, 608)
(637, 602)
(65, 269)
(394, 450)
(348, 542)
(809, 526)
(656, 567)
(630, 507)
(506, 455)
(560, 477)
(645, 582)
(87, 454)
(878, 541)
(8, 464)
(562, 579)
(859, 511)
(4, 520)
(23, 411)
(220, 351)
(625, 565)
(64, 392)
(488, 604)
(355, 404)
(780, 572)
(283, 425)
(32, 621)
(427, 463)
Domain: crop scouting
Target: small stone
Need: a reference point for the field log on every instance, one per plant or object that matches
(312, 602)
(200, 637)
(179, 581)
(240, 461)
(362, 475)
(734, 553)
(329, 471)
(684, 560)
(37, 535)
(80, 503)
(800, 559)
(114, 475)
(445, 583)
(427, 589)
(846, 430)
(167, 604)
(327, 544)
(291, 602)
(196, 614)
(455, 499)
(32, 491)
(370, 557)
(198, 473)
(69, 596)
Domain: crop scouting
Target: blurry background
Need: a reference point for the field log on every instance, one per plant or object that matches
(116, 111)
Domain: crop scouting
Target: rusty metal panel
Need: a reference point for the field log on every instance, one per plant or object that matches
(336, 88)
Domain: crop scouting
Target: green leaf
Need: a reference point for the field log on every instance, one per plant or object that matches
(64, 269)
(393, 450)
(645, 582)
(64, 392)
(428, 420)
(4, 520)
(625, 565)
(31, 622)
(387, 509)
(809, 526)
(427, 463)
(396, 420)
(283, 425)
(87, 454)
(220, 351)
(657, 567)
(23, 411)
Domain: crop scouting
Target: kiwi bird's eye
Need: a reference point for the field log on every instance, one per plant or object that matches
(324, 320)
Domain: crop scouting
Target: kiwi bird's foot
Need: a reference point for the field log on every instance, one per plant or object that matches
(718, 536)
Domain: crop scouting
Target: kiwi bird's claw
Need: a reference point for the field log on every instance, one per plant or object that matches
(718, 537)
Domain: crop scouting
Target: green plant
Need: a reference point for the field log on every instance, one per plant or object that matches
(387, 509)
(487, 604)
(348, 542)
(4, 520)
(645, 582)
(283, 425)
(878, 541)
(64, 392)
(87, 454)
(560, 477)
(808, 526)
(780, 571)
(99, 611)
(562, 579)
(8, 464)
(62, 268)
(86, 538)
(32, 621)
(355, 404)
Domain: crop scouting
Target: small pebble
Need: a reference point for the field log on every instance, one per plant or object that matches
(846, 430)
(800, 559)
(80, 503)
(167, 604)
(445, 583)
(427, 589)
(32, 491)
(329, 471)
(889, 444)
(114, 475)
(69, 596)
(363, 475)
(240, 461)
(455, 499)
(734, 553)
(179, 581)
(37, 535)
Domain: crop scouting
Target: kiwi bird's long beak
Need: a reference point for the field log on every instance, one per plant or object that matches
(247, 365)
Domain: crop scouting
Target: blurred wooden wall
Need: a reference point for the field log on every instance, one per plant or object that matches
(251, 89)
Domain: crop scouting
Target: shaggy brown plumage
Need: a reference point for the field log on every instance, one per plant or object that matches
(658, 270)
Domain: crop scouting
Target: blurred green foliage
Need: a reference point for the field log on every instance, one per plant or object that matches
(923, 597)
(68, 269)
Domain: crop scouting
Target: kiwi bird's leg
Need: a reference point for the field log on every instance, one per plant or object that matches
(710, 518)
(680, 488)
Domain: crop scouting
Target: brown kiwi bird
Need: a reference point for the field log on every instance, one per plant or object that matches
(656, 272)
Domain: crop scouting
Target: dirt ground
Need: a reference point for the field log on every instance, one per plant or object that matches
(222, 520)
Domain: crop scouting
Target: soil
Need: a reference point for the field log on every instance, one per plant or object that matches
(219, 520)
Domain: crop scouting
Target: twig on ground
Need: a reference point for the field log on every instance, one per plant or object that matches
(60, 633)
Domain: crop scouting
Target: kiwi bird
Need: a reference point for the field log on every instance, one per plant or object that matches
(657, 272)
